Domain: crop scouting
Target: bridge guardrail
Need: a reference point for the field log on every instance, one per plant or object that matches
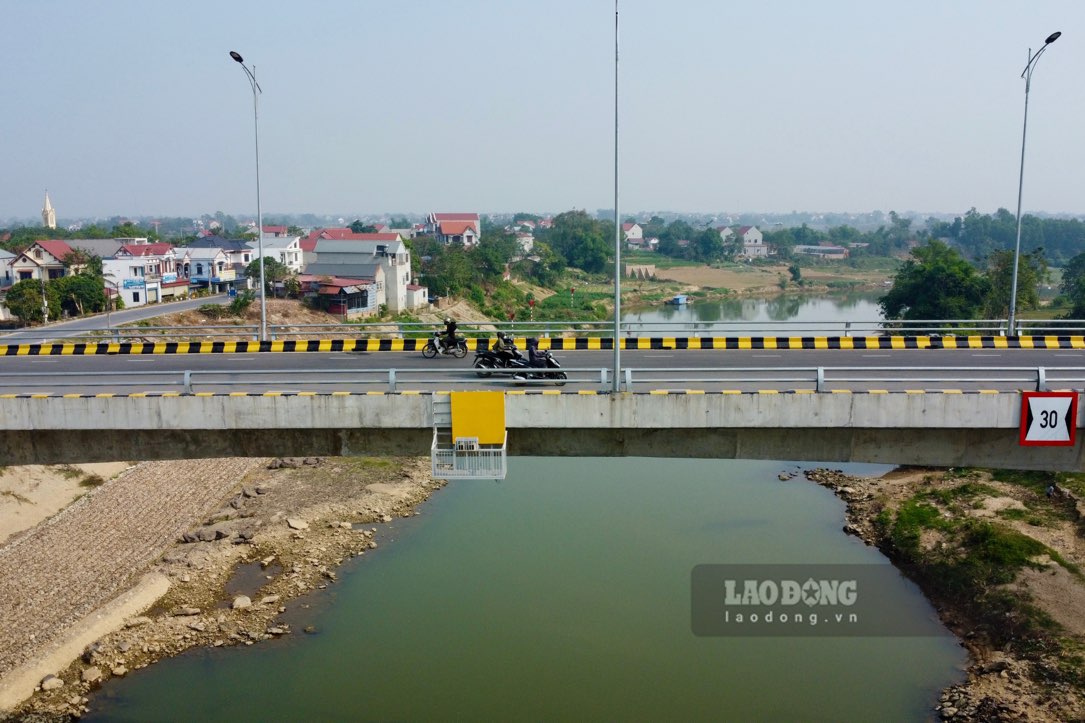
(820, 379)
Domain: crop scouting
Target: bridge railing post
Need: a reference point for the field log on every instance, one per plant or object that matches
(603, 378)
(392, 381)
(188, 381)
(1041, 379)
(628, 379)
(820, 384)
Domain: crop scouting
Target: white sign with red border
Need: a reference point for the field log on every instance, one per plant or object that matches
(1048, 419)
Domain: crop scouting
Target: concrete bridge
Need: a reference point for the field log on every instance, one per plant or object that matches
(940, 429)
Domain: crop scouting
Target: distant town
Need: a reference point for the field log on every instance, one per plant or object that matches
(396, 264)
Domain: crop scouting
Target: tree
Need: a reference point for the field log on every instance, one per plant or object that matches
(1073, 285)
(547, 265)
(274, 270)
(581, 240)
(24, 300)
(935, 283)
(359, 227)
(80, 294)
(450, 270)
(493, 253)
(1031, 272)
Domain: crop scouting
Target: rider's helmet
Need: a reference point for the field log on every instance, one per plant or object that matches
(448, 320)
(501, 335)
(532, 343)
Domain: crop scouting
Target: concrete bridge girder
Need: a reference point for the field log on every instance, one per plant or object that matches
(933, 429)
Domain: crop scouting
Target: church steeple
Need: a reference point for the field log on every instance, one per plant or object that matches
(48, 214)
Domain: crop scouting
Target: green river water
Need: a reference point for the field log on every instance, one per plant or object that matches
(563, 593)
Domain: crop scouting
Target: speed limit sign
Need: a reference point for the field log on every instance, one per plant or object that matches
(1048, 419)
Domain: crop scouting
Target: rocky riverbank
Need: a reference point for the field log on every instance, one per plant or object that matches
(287, 524)
(1000, 555)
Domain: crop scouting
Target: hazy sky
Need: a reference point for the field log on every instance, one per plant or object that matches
(130, 107)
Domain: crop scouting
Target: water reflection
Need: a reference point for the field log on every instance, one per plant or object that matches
(821, 315)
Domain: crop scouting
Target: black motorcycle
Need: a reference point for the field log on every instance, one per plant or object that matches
(487, 360)
(540, 372)
(437, 345)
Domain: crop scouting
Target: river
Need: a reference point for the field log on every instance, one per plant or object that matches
(728, 315)
(563, 593)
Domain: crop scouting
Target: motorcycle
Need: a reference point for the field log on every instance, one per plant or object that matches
(529, 372)
(436, 346)
(487, 360)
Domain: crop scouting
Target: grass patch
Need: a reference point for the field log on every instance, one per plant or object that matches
(92, 480)
(911, 519)
(961, 493)
(373, 463)
(68, 471)
(1026, 516)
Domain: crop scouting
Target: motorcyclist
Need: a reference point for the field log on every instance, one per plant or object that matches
(449, 340)
(504, 347)
(535, 357)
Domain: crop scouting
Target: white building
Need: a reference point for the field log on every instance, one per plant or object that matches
(284, 249)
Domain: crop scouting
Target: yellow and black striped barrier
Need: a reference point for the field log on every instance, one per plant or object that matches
(555, 343)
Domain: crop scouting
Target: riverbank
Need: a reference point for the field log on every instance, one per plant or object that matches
(143, 566)
(1000, 555)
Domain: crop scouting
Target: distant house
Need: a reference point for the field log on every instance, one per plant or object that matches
(526, 240)
(753, 242)
(462, 228)
(44, 260)
(239, 252)
(144, 273)
(284, 249)
(340, 256)
(633, 232)
(274, 231)
(207, 268)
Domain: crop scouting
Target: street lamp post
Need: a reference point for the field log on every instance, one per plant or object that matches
(256, 91)
(617, 387)
(1027, 75)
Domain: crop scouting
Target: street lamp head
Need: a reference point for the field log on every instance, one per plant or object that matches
(1052, 37)
(237, 56)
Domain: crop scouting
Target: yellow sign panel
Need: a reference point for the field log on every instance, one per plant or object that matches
(479, 415)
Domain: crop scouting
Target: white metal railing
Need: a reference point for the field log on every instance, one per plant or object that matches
(638, 379)
(467, 459)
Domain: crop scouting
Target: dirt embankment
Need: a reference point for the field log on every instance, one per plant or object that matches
(1000, 555)
(138, 569)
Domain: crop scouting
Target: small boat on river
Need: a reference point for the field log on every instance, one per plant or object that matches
(678, 300)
